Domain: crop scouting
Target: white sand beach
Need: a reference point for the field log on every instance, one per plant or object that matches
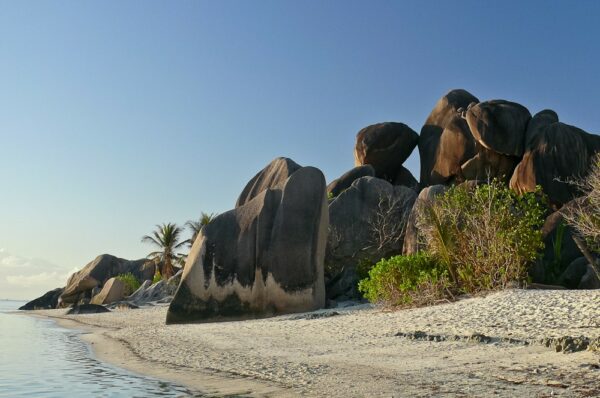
(356, 352)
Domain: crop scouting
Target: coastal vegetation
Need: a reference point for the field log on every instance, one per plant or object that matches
(585, 215)
(196, 225)
(166, 238)
(494, 207)
(131, 282)
(475, 239)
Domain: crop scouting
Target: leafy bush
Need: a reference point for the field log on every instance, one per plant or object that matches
(411, 280)
(131, 282)
(157, 277)
(485, 236)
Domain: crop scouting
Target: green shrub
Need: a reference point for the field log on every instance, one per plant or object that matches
(157, 277)
(131, 282)
(411, 280)
(486, 236)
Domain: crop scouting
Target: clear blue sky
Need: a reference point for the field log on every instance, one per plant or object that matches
(118, 115)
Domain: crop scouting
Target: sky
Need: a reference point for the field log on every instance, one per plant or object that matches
(119, 115)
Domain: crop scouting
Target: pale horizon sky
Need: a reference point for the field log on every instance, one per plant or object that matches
(119, 115)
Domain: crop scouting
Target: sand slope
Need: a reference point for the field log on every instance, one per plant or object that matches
(358, 353)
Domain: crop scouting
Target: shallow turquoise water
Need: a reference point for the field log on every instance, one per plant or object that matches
(40, 359)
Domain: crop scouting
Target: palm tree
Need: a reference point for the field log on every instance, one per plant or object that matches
(166, 238)
(196, 225)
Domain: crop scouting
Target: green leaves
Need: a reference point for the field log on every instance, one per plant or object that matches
(486, 236)
(405, 280)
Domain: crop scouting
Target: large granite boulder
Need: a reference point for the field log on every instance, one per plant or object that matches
(499, 126)
(46, 302)
(273, 176)
(411, 244)
(339, 185)
(446, 111)
(114, 290)
(366, 224)
(264, 257)
(455, 146)
(101, 269)
(537, 124)
(556, 153)
(385, 146)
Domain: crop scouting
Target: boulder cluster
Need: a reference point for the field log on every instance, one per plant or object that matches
(293, 243)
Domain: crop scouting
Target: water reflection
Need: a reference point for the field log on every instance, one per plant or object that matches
(40, 359)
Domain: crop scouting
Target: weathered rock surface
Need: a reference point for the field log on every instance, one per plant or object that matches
(100, 270)
(455, 145)
(589, 280)
(385, 146)
(579, 275)
(571, 277)
(161, 291)
(48, 301)
(264, 257)
(411, 237)
(366, 223)
(556, 153)
(499, 126)
(445, 111)
(487, 165)
(87, 309)
(339, 185)
(273, 176)
(113, 290)
(405, 178)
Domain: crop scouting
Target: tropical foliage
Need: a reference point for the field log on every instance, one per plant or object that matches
(196, 225)
(476, 239)
(166, 238)
(130, 281)
(412, 280)
(485, 236)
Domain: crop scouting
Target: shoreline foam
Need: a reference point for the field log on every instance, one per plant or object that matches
(360, 351)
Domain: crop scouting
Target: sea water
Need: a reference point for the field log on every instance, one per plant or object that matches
(38, 358)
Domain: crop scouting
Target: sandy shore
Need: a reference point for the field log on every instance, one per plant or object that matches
(365, 351)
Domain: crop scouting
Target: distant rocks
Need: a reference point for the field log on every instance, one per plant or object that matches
(87, 309)
(160, 292)
(95, 274)
(46, 302)
(113, 290)
(265, 256)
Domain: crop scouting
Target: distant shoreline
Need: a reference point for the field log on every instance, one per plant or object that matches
(361, 351)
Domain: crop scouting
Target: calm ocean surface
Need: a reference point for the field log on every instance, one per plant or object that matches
(40, 359)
